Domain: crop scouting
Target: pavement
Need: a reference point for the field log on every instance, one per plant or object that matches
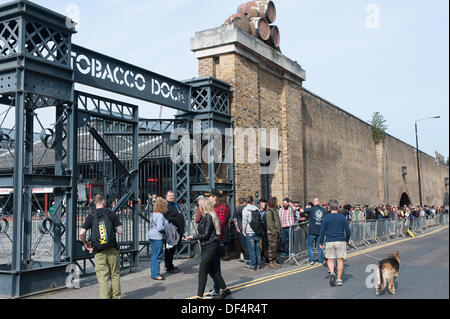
(424, 274)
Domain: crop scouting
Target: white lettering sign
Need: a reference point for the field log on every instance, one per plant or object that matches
(123, 77)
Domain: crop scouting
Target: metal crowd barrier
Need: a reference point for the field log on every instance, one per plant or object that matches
(298, 241)
(365, 233)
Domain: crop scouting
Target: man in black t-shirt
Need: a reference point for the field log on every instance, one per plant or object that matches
(107, 263)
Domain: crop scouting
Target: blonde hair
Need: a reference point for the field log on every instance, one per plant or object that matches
(160, 206)
(206, 206)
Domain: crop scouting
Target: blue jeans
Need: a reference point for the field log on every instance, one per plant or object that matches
(311, 240)
(243, 243)
(155, 260)
(285, 239)
(254, 250)
(371, 229)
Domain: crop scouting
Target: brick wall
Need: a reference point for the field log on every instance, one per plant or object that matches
(325, 152)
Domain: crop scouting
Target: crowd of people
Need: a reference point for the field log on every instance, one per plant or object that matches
(260, 229)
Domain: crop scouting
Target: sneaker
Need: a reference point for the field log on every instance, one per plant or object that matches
(333, 280)
(212, 293)
(339, 282)
(312, 263)
(225, 293)
(247, 267)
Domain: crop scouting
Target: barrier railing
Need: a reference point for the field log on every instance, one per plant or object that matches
(365, 233)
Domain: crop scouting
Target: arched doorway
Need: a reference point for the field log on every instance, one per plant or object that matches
(404, 200)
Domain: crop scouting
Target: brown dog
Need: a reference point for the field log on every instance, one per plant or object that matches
(388, 270)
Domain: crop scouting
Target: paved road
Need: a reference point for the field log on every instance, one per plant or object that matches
(424, 274)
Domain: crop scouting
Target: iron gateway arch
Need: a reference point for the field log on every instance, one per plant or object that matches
(94, 138)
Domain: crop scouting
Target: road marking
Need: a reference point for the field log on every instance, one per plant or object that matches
(357, 253)
(265, 278)
(274, 276)
(308, 267)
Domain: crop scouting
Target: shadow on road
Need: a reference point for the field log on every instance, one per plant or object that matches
(144, 292)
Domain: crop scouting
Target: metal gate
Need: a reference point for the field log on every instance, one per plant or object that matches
(107, 157)
(94, 144)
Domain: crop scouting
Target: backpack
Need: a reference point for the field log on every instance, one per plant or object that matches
(256, 223)
(103, 233)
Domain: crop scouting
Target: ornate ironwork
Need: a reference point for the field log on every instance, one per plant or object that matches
(46, 43)
(9, 38)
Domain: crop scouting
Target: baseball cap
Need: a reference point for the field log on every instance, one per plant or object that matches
(212, 192)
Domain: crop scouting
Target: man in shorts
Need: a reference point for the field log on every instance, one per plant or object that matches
(337, 234)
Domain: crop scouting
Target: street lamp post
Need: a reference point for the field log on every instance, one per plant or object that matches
(418, 157)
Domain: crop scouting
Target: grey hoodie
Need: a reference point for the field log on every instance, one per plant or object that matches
(247, 218)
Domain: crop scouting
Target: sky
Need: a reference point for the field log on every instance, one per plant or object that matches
(384, 56)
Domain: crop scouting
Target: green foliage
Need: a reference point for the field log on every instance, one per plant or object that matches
(448, 161)
(379, 127)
